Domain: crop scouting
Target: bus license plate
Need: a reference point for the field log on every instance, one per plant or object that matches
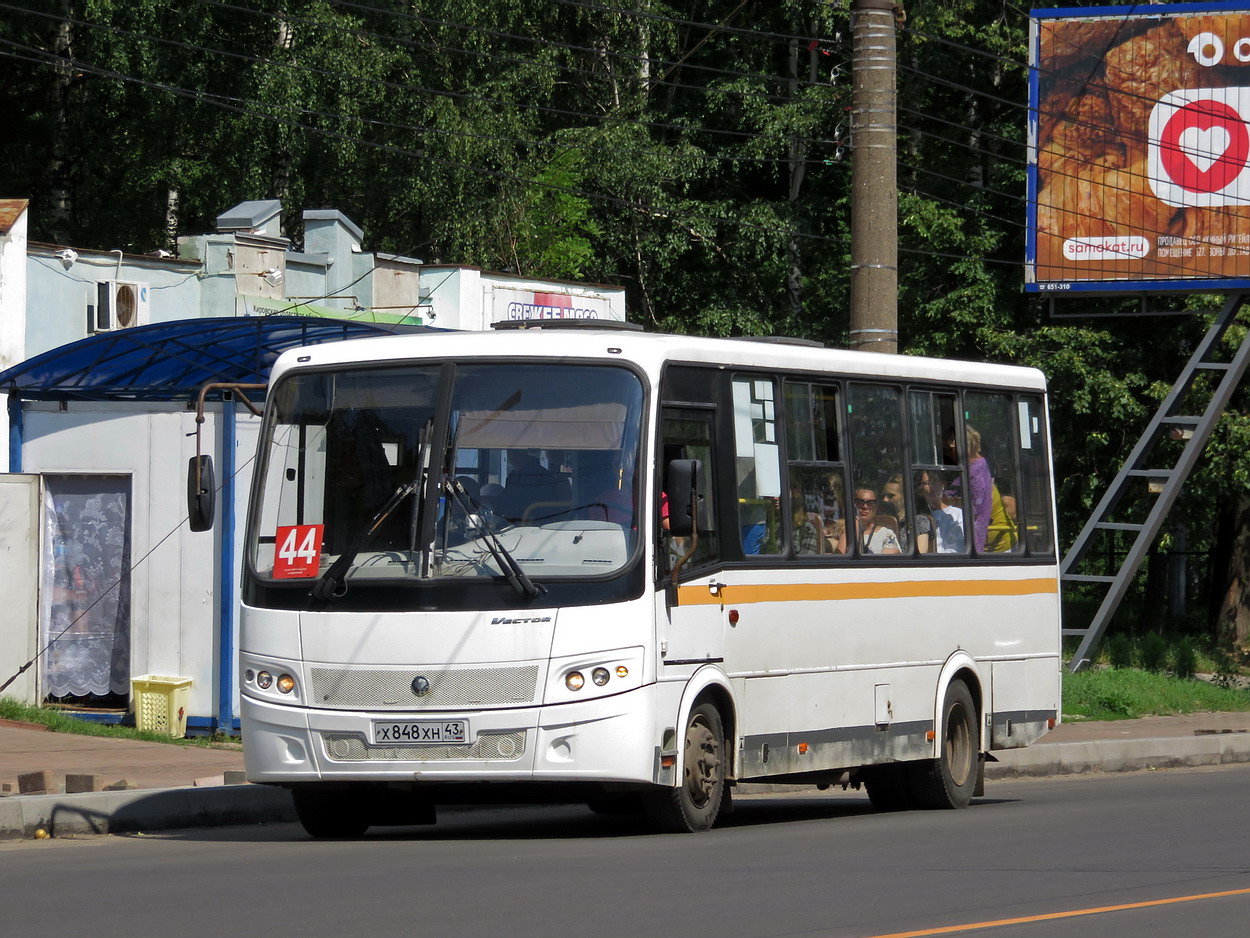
(391, 732)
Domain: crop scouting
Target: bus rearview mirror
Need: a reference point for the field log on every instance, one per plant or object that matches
(684, 487)
(201, 493)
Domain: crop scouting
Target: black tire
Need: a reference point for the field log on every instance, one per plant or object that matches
(330, 815)
(888, 786)
(949, 780)
(695, 804)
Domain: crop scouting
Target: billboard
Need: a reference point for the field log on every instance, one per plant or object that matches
(514, 304)
(1139, 148)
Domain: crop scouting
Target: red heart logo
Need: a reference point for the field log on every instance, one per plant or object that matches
(1212, 120)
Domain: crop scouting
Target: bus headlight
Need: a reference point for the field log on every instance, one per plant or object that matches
(286, 684)
(595, 674)
(264, 680)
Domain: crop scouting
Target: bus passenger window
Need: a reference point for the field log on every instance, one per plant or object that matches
(816, 473)
(758, 465)
(875, 422)
(1033, 493)
(990, 429)
(937, 480)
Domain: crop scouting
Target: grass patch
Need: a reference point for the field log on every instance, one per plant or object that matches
(58, 721)
(1126, 693)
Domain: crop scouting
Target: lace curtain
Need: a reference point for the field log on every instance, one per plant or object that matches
(85, 605)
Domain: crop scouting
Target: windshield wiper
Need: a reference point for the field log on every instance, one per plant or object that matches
(507, 563)
(332, 579)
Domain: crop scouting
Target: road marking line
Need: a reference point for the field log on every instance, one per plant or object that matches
(1049, 916)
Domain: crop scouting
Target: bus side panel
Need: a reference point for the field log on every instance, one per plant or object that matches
(1026, 698)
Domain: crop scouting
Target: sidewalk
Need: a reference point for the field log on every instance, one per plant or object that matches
(166, 795)
(163, 795)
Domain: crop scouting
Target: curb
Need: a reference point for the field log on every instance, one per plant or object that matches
(121, 812)
(1120, 755)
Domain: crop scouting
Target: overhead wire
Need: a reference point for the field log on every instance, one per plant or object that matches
(699, 24)
(241, 106)
(563, 144)
(495, 55)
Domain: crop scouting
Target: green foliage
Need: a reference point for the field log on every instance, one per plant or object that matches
(1154, 652)
(1120, 651)
(1115, 694)
(1184, 659)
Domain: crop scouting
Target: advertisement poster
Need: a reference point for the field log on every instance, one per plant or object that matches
(511, 305)
(1139, 175)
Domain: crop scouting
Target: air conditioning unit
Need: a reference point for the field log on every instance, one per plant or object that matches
(119, 304)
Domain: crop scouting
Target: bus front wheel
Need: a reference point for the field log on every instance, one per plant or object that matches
(329, 815)
(949, 780)
(695, 804)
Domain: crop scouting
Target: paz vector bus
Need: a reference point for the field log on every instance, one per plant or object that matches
(635, 571)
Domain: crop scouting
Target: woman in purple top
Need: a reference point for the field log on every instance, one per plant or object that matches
(980, 485)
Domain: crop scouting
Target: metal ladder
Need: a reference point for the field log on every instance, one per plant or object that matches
(1161, 481)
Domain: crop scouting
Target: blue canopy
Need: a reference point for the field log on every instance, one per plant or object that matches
(171, 361)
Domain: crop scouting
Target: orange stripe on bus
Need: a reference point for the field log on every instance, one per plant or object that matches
(816, 592)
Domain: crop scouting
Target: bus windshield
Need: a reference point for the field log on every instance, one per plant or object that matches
(434, 471)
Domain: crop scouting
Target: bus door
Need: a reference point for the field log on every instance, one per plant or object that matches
(691, 626)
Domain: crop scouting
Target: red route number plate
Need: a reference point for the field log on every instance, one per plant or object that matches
(297, 551)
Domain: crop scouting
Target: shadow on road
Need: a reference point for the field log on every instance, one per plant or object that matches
(559, 822)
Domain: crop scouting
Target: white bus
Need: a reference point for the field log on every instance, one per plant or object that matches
(632, 570)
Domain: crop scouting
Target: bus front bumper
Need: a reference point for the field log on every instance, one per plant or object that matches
(609, 739)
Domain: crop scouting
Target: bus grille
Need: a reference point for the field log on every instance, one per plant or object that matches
(351, 747)
(361, 689)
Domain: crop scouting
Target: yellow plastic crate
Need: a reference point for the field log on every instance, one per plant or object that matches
(160, 703)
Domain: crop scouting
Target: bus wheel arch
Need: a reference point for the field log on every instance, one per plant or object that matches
(711, 685)
(960, 667)
(705, 745)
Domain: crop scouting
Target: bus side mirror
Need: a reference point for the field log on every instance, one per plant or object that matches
(201, 491)
(684, 487)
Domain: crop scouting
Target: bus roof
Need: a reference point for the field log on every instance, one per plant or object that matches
(651, 351)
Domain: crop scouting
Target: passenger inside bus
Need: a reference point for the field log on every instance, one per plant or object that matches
(1003, 535)
(980, 485)
(534, 493)
(609, 488)
(948, 519)
(912, 526)
(873, 535)
(807, 536)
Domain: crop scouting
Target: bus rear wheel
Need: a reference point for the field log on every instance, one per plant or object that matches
(949, 780)
(330, 815)
(695, 804)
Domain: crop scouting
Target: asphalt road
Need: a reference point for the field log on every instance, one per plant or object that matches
(787, 865)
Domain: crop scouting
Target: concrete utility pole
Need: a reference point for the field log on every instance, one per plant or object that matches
(874, 178)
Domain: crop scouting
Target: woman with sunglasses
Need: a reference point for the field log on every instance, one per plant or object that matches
(870, 537)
